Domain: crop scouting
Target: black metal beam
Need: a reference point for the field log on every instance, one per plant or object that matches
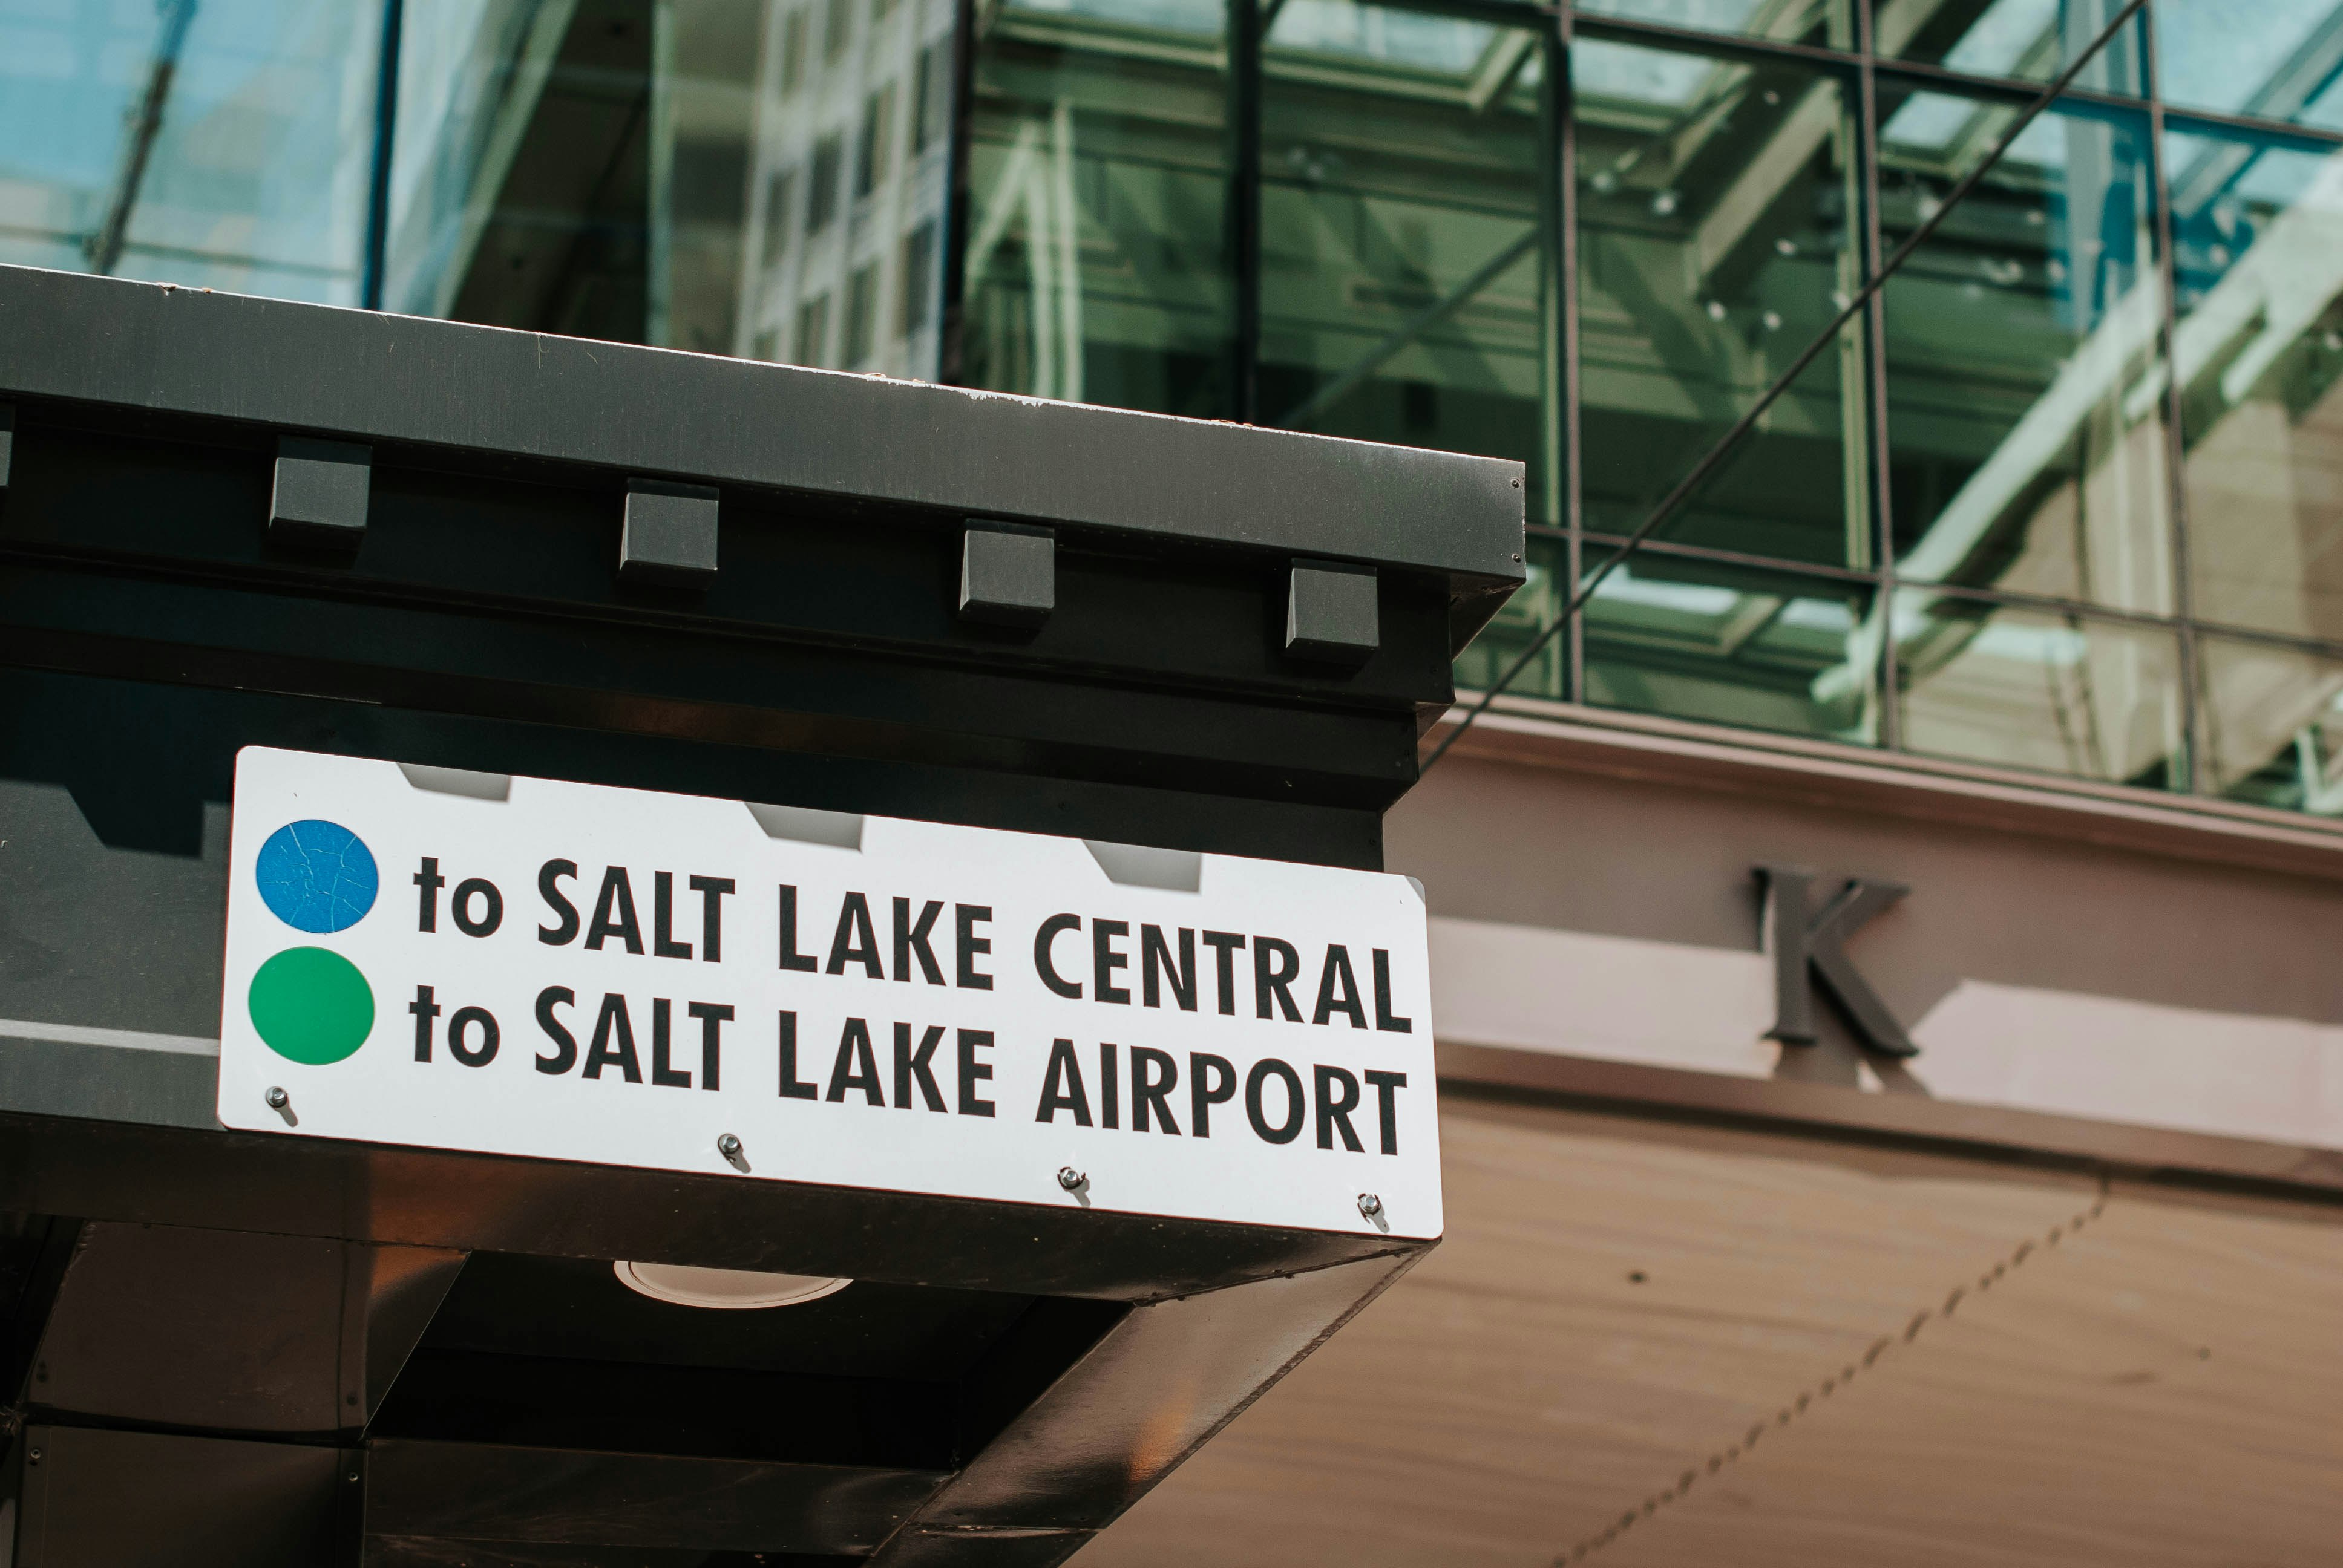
(367, 376)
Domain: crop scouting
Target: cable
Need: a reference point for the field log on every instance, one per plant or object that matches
(1690, 484)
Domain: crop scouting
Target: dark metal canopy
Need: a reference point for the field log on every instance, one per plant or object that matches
(228, 522)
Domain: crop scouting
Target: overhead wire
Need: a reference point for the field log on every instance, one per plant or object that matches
(1710, 461)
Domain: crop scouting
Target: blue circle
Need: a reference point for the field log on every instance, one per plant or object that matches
(316, 876)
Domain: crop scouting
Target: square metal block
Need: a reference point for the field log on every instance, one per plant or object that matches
(669, 534)
(320, 494)
(1330, 613)
(7, 439)
(1008, 574)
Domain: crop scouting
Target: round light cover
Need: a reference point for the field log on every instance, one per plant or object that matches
(725, 1290)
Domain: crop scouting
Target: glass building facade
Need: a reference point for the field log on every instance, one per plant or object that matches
(2066, 497)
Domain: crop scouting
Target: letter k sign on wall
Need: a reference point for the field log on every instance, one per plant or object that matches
(1805, 943)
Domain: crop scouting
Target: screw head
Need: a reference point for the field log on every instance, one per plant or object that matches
(278, 1099)
(1071, 1178)
(728, 1146)
(1370, 1205)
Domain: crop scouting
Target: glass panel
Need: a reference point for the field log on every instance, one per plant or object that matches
(2273, 722)
(2023, 687)
(1097, 267)
(2278, 59)
(2257, 239)
(1712, 247)
(2031, 40)
(757, 177)
(1529, 611)
(227, 146)
(2024, 372)
(1403, 271)
(521, 165)
(1727, 645)
(1821, 22)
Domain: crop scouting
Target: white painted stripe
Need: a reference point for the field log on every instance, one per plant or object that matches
(120, 1038)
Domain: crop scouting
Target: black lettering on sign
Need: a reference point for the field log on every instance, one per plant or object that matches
(713, 1017)
(1049, 932)
(790, 958)
(1334, 1111)
(564, 1055)
(663, 942)
(792, 1086)
(912, 1067)
(565, 927)
(613, 1044)
(1061, 1086)
(1386, 1107)
(1105, 959)
(1275, 967)
(911, 940)
(664, 1072)
(614, 914)
(1224, 946)
(1153, 1076)
(972, 1072)
(478, 1021)
(1210, 1082)
(425, 1009)
(855, 1067)
(1109, 1086)
(854, 941)
(1386, 1019)
(427, 877)
(1297, 1104)
(711, 891)
(967, 945)
(477, 891)
(1156, 969)
(1338, 990)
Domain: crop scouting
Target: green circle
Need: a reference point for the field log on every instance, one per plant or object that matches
(311, 1006)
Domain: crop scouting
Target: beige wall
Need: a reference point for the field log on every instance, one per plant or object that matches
(2045, 1372)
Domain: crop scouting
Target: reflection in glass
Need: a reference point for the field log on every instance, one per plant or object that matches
(2272, 59)
(222, 146)
(1823, 21)
(1697, 640)
(1714, 246)
(2273, 724)
(2026, 415)
(521, 170)
(2058, 693)
(1404, 283)
(1096, 268)
(2258, 238)
(1532, 609)
(2030, 40)
(706, 175)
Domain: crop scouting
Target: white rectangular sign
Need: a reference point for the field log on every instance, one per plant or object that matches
(577, 972)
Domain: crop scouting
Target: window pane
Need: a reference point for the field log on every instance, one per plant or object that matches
(2273, 721)
(2034, 689)
(2278, 59)
(1097, 268)
(2030, 40)
(222, 146)
(1714, 246)
(2026, 414)
(1820, 22)
(2257, 235)
(1768, 651)
(1404, 262)
(1532, 608)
